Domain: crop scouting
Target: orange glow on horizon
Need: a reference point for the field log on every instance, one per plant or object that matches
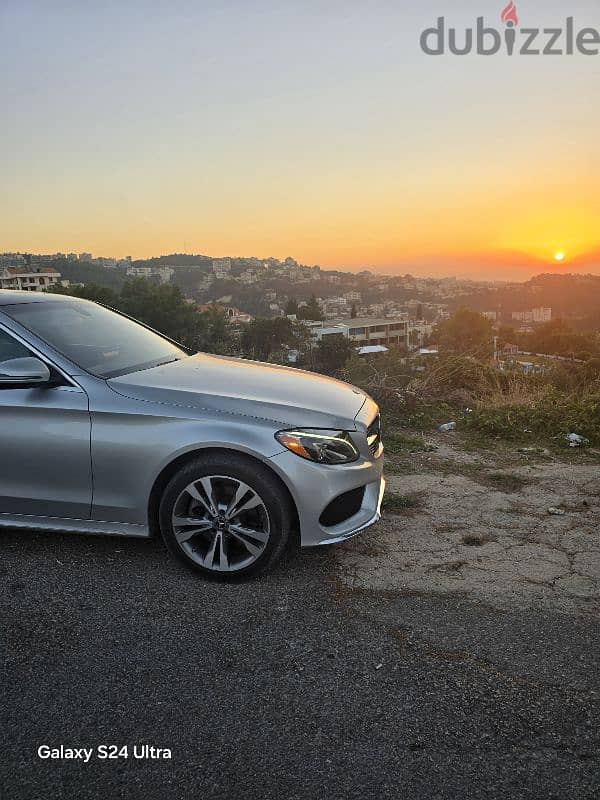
(428, 228)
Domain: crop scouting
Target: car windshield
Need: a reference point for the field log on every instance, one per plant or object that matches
(98, 340)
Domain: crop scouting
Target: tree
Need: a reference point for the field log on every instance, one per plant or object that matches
(506, 335)
(304, 343)
(87, 273)
(291, 307)
(165, 309)
(216, 336)
(264, 338)
(465, 333)
(414, 337)
(312, 310)
(558, 338)
(332, 353)
(91, 291)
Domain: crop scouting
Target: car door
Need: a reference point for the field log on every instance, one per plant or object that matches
(45, 466)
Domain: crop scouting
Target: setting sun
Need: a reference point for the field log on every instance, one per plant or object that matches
(560, 256)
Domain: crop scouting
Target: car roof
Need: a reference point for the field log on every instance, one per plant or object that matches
(10, 297)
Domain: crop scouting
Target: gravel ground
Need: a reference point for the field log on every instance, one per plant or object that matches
(294, 686)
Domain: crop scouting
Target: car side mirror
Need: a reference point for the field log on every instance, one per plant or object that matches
(23, 372)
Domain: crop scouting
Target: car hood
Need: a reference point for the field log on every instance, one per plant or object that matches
(249, 388)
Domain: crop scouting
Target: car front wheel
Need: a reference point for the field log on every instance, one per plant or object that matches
(225, 516)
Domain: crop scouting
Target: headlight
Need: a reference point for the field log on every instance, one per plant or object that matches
(324, 447)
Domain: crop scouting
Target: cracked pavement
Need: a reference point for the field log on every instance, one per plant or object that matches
(474, 539)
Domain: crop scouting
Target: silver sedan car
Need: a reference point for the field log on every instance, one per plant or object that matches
(107, 427)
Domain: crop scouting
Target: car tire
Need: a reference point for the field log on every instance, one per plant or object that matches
(200, 523)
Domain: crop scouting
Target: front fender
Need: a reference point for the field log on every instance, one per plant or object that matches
(131, 446)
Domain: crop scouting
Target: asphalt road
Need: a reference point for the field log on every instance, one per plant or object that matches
(271, 689)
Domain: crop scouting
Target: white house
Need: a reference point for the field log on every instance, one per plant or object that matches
(364, 331)
(29, 279)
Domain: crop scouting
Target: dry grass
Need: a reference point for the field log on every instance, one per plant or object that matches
(403, 503)
(509, 405)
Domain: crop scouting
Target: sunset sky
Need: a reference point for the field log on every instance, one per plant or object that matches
(316, 129)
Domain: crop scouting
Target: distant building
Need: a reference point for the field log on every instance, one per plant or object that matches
(29, 279)
(414, 307)
(364, 331)
(45, 258)
(236, 315)
(164, 274)
(248, 276)
(231, 312)
(221, 268)
(12, 260)
(537, 315)
(542, 314)
(418, 332)
(87, 257)
(206, 281)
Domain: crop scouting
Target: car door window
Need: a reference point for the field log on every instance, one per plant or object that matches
(10, 348)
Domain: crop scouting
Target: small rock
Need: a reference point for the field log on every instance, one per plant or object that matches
(447, 426)
(378, 666)
(557, 512)
(575, 440)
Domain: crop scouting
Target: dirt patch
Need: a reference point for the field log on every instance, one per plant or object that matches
(470, 535)
(395, 503)
(505, 481)
(476, 539)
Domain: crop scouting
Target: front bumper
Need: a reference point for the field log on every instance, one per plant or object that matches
(315, 486)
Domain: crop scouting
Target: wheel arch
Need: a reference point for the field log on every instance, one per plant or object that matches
(180, 461)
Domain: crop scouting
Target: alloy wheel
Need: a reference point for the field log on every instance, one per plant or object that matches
(221, 523)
